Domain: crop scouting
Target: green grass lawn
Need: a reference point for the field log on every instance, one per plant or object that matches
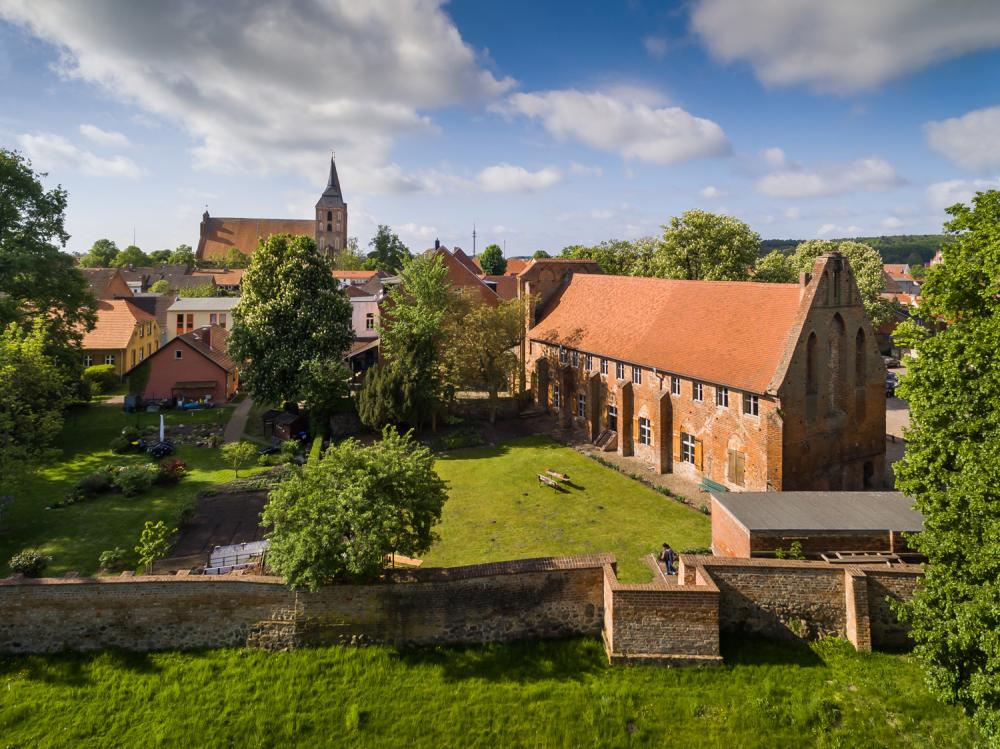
(76, 535)
(559, 694)
(497, 510)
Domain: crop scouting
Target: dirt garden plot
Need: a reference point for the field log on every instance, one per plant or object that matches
(218, 520)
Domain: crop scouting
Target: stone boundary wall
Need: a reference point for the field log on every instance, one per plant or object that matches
(532, 598)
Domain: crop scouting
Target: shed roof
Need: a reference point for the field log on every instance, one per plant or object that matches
(822, 511)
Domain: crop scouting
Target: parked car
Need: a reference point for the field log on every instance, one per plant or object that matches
(891, 381)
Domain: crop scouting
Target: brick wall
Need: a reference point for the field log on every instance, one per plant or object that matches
(885, 585)
(494, 602)
(729, 537)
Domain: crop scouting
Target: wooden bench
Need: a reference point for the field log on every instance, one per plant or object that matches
(707, 485)
(543, 479)
(556, 475)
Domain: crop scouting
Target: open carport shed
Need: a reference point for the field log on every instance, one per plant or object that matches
(756, 524)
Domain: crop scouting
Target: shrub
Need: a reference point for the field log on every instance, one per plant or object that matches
(134, 480)
(101, 378)
(97, 482)
(289, 449)
(123, 442)
(112, 560)
(154, 542)
(171, 470)
(29, 562)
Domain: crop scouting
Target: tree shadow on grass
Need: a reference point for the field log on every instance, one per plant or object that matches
(74, 669)
(521, 663)
(746, 650)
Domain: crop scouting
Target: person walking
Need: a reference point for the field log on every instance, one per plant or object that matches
(667, 557)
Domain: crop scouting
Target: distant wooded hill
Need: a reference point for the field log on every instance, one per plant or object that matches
(898, 248)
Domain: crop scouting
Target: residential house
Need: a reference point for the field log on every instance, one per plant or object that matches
(192, 366)
(227, 279)
(356, 277)
(156, 305)
(106, 283)
(738, 385)
(124, 336)
(464, 275)
(898, 279)
(189, 313)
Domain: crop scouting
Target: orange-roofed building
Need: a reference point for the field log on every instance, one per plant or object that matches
(124, 336)
(738, 385)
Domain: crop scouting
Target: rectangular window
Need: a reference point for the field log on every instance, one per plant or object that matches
(581, 405)
(619, 370)
(604, 366)
(613, 418)
(562, 356)
(180, 324)
(675, 385)
(736, 467)
(142, 354)
(555, 396)
(637, 375)
(751, 405)
(190, 322)
(722, 396)
(88, 360)
(590, 363)
(576, 359)
(178, 354)
(213, 319)
(645, 432)
(109, 359)
(222, 319)
(142, 330)
(698, 391)
(370, 321)
(133, 357)
(687, 448)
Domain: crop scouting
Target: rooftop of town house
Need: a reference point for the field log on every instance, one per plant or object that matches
(210, 341)
(222, 277)
(727, 332)
(116, 321)
(205, 304)
(352, 275)
(822, 511)
(99, 278)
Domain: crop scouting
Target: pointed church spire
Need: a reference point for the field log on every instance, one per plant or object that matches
(332, 196)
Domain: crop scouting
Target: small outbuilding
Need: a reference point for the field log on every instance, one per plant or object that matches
(757, 524)
(283, 425)
(192, 366)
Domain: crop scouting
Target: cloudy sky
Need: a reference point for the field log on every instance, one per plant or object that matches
(545, 124)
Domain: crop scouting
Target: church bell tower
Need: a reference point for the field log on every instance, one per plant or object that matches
(331, 214)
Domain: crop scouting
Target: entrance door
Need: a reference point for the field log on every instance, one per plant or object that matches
(613, 418)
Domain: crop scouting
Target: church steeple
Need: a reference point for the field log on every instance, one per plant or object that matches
(331, 214)
(332, 197)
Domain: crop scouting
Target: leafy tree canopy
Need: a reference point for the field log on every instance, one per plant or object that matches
(618, 257)
(160, 287)
(101, 255)
(952, 463)
(182, 255)
(37, 280)
(291, 310)
(700, 245)
(131, 255)
(339, 517)
(235, 259)
(160, 257)
(866, 264)
(388, 251)
(775, 267)
(350, 257)
(201, 290)
(540, 254)
(492, 261)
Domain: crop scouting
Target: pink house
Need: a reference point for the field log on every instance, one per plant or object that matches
(193, 365)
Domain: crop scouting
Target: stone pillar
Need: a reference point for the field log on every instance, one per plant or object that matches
(541, 384)
(626, 406)
(663, 434)
(595, 404)
(858, 623)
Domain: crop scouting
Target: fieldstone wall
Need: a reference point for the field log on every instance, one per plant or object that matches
(532, 598)
(885, 585)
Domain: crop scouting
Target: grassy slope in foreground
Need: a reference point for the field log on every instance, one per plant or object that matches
(76, 535)
(497, 510)
(530, 694)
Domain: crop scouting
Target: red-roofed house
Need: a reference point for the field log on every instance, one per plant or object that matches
(192, 366)
(124, 336)
(751, 386)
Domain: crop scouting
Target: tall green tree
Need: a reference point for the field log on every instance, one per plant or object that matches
(388, 251)
(698, 245)
(182, 255)
(492, 261)
(34, 394)
(866, 264)
(291, 310)
(131, 255)
(341, 516)
(540, 255)
(38, 282)
(618, 257)
(160, 257)
(234, 258)
(102, 253)
(486, 347)
(775, 267)
(952, 463)
(325, 387)
(350, 257)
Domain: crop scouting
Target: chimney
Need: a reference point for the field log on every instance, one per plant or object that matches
(804, 279)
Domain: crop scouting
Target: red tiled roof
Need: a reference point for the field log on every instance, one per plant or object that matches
(727, 332)
(506, 285)
(116, 321)
(212, 343)
(467, 261)
(515, 265)
(222, 234)
(352, 275)
(231, 277)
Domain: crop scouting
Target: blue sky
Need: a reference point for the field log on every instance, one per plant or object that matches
(545, 124)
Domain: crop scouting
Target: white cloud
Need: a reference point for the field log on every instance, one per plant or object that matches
(891, 222)
(792, 213)
(49, 151)
(969, 141)
(941, 195)
(773, 156)
(104, 137)
(584, 170)
(510, 178)
(711, 191)
(656, 46)
(839, 231)
(414, 231)
(871, 174)
(274, 86)
(843, 46)
(631, 122)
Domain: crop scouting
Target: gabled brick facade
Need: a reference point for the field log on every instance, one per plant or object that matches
(751, 386)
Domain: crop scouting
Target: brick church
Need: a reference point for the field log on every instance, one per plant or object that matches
(747, 386)
(329, 226)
